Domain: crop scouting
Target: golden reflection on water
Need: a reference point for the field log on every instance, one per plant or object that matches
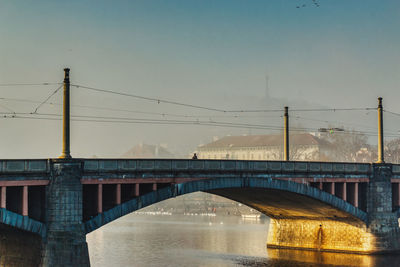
(200, 241)
(335, 259)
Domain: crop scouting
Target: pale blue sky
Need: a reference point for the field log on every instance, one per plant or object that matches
(343, 53)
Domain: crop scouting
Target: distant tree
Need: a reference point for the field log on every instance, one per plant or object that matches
(344, 146)
(305, 153)
(392, 151)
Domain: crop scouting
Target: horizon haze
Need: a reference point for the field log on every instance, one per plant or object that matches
(212, 54)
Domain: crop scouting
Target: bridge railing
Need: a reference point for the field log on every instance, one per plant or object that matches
(35, 166)
(24, 166)
(396, 169)
(143, 165)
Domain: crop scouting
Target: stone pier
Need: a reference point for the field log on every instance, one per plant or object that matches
(382, 221)
(65, 242)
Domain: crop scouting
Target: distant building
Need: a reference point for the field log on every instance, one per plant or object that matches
(264, 147)
(148, 151)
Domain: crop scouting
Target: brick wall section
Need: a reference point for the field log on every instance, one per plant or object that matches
(65, 243)
(19, 248)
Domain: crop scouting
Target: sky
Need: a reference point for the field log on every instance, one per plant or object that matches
(344, 53)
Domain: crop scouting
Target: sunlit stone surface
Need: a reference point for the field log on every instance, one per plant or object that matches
(321, 235)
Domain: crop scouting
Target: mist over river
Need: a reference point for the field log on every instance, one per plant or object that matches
(223, 241)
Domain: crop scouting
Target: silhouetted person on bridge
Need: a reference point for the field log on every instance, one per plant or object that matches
(194, 156)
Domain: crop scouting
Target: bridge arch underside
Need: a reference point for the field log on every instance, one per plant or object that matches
(302, 217)
(280, 204)
(19, 247)
(302, 222)
(20, 239)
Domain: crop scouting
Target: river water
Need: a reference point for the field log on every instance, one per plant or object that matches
(179, 240)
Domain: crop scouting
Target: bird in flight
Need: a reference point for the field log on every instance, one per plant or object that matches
(314, 2)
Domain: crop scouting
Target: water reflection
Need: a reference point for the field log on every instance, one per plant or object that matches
(302, 258)
(145, 240)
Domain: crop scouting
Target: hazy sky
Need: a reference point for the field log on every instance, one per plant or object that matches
(343, 53)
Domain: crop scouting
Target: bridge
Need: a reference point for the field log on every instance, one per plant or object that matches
(323, 206)
(47, 206)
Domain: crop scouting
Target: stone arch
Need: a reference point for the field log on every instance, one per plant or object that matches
(22, 222)
(217, 186)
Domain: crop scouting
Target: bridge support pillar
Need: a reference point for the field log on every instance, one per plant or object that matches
(137, 190)
(118, 194)
(344, 191)
(25, 201)
(332, 189)
(3, 197)
(397, 195)
(99, 198)
(356, 195)
(382, 221)
(379, 234)
(65, 242)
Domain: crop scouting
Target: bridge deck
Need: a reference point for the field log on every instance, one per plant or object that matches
(39, 169)
(33, 169)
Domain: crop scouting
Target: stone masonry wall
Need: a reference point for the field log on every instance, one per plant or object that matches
(382, 222)
(65, 244)
(320, 235)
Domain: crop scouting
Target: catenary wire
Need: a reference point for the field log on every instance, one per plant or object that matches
(391, 112)
(7, 108)
(217, 109)
(148, 98)
(26, 84)
(176, 122)
(191, 105)
(143, 112)
(44, 101)
(333, 122)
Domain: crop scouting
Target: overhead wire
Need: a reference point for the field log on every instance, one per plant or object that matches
(163, 114)
(158, 100)
(44, 101)
(388, 131)
(144, 122)
(27, 84)
(210, 122)
(300, 110)
(332, 109)
(7, 108)
(100, 119)
(199, 122)
(245, 125)
(391, 112)
(334, 122)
